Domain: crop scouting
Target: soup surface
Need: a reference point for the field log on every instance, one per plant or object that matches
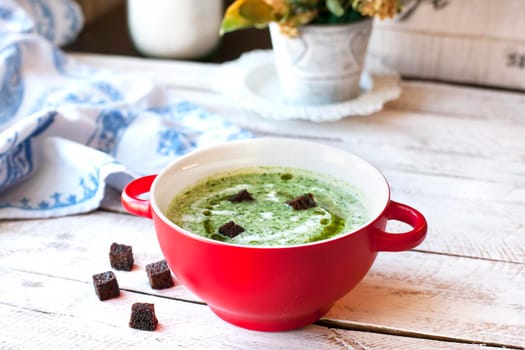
(268, 218)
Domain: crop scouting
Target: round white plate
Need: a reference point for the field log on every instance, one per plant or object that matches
(251, 83)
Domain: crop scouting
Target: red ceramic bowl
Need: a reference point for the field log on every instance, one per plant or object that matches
(273, 288)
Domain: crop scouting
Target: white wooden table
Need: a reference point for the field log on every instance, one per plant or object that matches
(455, 153)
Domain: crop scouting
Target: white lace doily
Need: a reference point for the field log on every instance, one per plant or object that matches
(251, 83)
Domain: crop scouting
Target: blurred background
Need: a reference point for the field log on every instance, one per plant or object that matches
(469, 42)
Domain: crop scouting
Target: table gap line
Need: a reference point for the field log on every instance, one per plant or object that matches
(454, 176)
(297, 136)
(467, 256)
(165, 297)
(354, 326)
(122, 289)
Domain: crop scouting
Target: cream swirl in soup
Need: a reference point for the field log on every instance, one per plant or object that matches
(269, 219)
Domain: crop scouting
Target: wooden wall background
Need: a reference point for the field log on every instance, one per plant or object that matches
(478, 42)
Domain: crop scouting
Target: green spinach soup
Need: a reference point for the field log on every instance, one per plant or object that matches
(268, 206)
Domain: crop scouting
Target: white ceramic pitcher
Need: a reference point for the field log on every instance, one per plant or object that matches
(180, 29)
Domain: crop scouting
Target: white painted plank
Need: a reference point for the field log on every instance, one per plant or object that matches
(51, 313)
(85, 322)
(460, 226)
(469, 41)
(408, 292)
(77, 247)
(446, 296)
(459, 101)
(432, 133)
(471, 148)
(418, 96)
(182, 73)
(479, 60)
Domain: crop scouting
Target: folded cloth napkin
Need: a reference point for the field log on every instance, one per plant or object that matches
(67, 130)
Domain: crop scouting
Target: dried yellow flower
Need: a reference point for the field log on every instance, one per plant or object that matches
(291, 14)
(380, 8)
(281, 8)
(289, 31)
(290, 25)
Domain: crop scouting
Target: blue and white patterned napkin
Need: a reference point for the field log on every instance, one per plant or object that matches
(67, 130)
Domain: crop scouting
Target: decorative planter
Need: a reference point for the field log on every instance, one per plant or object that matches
(323, 64)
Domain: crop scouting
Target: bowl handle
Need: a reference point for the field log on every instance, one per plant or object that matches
(130, 196)
(395, 242)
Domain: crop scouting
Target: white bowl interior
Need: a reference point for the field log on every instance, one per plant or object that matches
(186, 171)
